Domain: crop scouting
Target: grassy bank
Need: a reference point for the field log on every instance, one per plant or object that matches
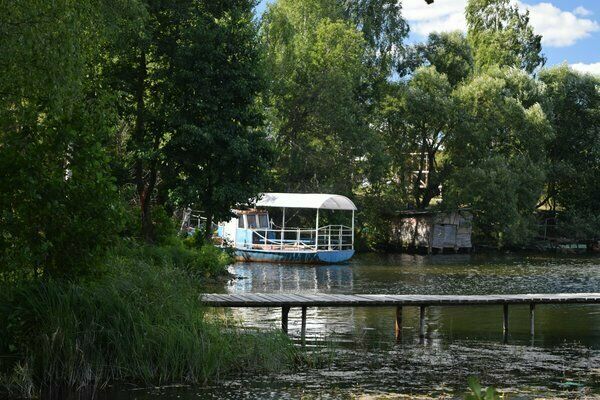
(138, 321)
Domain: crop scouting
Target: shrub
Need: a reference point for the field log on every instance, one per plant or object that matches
(207, 261)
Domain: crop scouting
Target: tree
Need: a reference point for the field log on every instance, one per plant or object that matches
(449, 52)
(574, 154)
(417, 119)
(187, 73)
(218, 154)
(497, 158)
(318, 96)
(383, 28)
(58, 206)
(500, 34)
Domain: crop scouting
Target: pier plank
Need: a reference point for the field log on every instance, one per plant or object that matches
(380, 300)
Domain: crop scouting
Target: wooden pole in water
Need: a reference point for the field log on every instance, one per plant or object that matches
(422, 322)
(282, 228)
(532, 318)
(303, 326)
(317, 232)
(398, 322)
(505, 320)
(284, 318)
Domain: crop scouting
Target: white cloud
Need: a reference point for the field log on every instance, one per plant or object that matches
(593, 68)
(582, 11)
(442, 15)
(558, 28)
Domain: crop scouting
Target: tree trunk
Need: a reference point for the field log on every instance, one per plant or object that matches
(144, 191)
(208, 227)
(430, 190)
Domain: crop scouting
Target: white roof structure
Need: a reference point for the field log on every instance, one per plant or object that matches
(305, 200)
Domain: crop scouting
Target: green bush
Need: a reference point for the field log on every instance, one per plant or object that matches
(207, 261)
(140, 321)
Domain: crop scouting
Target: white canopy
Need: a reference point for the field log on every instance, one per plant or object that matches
(305, 200)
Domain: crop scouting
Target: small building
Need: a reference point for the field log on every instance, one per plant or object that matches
(429, 230)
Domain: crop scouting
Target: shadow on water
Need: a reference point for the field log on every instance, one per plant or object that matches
(562, 360)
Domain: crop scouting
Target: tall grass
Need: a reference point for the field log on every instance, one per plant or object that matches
(140, 321)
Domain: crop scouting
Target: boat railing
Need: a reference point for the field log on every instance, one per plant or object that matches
(329, 237)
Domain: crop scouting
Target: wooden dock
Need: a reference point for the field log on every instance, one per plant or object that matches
(287, 301)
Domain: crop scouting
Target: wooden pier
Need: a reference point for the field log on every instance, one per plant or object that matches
(287, 301)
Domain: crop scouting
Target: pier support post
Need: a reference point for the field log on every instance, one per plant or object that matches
(303, 325)
(505, 321)
(532, 319)
(398, 322)
(422, 322)
(284, 318)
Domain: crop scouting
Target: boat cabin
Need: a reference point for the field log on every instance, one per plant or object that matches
(255, 237)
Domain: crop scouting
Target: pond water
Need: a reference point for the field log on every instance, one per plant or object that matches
(561, 361)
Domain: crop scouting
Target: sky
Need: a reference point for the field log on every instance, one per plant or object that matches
(570, 29)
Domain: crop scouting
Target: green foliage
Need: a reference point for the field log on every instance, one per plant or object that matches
(417, 117)
(574, 111)
(218, 154)
(497, 158)
(58, 201)
(188, 74)
(477, 392)
(140, 321)
(316, 105)
(205, 262)
(500, 35)
(383, 28)
(449, 52)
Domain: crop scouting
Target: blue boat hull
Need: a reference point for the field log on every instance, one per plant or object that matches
(298, 257)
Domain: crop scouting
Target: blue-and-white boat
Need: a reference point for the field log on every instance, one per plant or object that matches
(255, 238)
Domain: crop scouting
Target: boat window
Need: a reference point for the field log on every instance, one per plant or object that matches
(241, 221)
(252, 221)
(263, 220)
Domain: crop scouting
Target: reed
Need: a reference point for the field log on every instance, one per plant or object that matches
(140, 321)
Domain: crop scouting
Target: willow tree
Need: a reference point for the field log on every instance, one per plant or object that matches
(500, 34)
(497, 156)
(573, 182)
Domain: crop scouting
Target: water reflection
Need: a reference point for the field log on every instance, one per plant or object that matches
(279, 278)
(447, 274)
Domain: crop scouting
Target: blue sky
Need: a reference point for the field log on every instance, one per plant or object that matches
(570, 28)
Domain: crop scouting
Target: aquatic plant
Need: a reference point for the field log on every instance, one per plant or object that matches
(478, 393)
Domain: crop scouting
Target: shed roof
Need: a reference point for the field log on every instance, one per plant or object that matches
(306, 200)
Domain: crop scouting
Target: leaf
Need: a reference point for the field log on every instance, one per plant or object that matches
(475, 386)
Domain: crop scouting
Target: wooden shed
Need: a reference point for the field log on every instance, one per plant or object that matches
(429, 230)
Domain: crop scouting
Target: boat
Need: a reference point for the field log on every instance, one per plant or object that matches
(254, 236)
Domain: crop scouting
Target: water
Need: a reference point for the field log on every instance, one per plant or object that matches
(561, 361)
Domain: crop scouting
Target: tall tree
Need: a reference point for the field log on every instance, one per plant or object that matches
(187, 73)
(318, 97)
(57, 198)
(417, 119)
(497, 158)
(501, 35)
(218, 154)
(574, 110)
